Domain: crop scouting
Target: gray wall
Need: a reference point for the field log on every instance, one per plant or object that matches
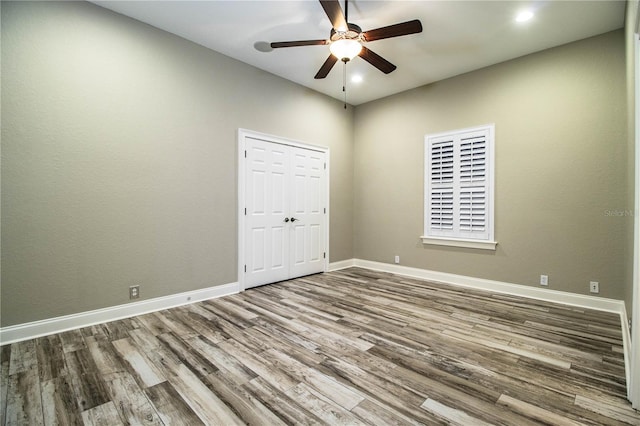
(561, 168)
(119, 162)
(119, 158)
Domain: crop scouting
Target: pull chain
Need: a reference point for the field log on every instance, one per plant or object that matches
(344, 83)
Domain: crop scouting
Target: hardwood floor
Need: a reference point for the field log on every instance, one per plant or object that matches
(348, 347)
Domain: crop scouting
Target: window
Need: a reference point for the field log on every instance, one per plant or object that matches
(459, 188)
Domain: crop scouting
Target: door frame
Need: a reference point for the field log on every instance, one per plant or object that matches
(243, 134)
(633, 387)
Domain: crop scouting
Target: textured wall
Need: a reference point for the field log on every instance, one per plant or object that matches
(561, 168)
(119, 158)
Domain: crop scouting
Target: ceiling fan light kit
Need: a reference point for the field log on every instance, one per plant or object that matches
(345, 49)
(346, 45)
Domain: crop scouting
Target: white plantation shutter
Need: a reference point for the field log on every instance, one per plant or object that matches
(473, 210)
(442, 210)
(459, 185)
(442, 161)
(473, 152)
(441, 197)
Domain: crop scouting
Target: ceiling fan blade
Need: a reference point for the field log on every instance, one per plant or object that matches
(326, 67)
(376, 60)
(396, 30)
(278, 44)
(334, 13)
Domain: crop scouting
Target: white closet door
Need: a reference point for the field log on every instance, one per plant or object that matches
(307, 209)
(267, 204)
(285, 212)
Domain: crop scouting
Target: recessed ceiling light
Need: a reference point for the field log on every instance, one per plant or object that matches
(524, 16)
(357, 78)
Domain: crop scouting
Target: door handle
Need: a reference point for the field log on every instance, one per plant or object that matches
(293, 219)
(286, 219)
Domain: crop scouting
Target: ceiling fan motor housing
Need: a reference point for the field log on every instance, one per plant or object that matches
(353, 33)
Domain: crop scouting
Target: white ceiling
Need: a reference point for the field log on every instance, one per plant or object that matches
(458, 36)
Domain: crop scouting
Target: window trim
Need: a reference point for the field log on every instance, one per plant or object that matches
(488, 243)
(459, 242)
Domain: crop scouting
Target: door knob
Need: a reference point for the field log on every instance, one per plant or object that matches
(293, 219)
(286, 219)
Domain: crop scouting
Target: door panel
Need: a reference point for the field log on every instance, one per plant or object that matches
(277, 247)
(314, 253)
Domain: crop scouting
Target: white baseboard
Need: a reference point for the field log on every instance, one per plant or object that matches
(342, 264)
(16, 333)
(562, 297)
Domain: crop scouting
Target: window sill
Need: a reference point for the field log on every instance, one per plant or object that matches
(474, 244)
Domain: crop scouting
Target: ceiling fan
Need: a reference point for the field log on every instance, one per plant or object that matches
(347, 40)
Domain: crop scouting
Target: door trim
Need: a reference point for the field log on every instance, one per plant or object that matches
(243, 134)
(633, 382)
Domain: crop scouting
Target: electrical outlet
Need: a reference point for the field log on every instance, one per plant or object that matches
(594, 287)
(397, 259)
(134, 292)
(544, 280)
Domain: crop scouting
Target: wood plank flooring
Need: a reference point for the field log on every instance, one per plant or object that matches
(348, 347)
